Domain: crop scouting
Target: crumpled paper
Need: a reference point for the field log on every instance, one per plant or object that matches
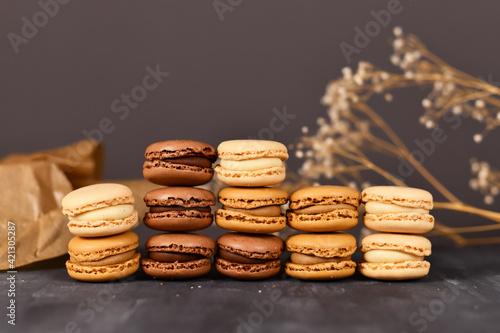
(32, 187)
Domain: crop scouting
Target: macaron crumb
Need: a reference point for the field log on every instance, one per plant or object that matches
(199, 287)
(177, 295)
(260, 291)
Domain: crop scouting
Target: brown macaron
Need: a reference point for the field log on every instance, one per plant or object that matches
(179, 209)
(249, 257)
(178, 256)
(323, 208)
(179, 163)
(321, 256)
(252, 210)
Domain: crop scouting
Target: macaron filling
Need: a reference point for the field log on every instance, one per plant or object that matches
(379, 256)
(251, 164)
(265, 211)
(107, 213)
(109, 260)
(174, 256)
(376, 207)
(201, 162)
(321, 209)
(163, 209)
(306, 259)
(234, 257)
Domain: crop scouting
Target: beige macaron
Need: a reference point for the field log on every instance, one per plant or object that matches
(397, 209)
(320, 256)
(251, 163)
(251, 210)
(100, 210)
(103, 258)
(394, 256)
(323, 208)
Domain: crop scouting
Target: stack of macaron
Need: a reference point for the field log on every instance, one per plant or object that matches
(100, 217)
(178, 209)
(397, 212)
(251, 209)
(322, 253)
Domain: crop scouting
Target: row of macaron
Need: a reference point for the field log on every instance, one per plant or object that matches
(105, 207)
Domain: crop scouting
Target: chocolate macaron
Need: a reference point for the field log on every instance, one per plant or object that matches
(394, 256)
(251, 163)
(103, 258)
(321, 256)
(179, 209)
(323, 208)
(179, 163)
(252, 210)
(178, 256)
(100, 210)
(249, 257)
(398, 209)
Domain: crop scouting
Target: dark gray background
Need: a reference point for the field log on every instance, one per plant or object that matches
(225, 79)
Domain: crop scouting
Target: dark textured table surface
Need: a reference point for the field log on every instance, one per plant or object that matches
(461, 294)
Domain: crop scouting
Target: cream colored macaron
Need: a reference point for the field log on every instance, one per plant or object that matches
(397, 209)
(251, 163)
(394, 256)
(100, 210)
(320, 256)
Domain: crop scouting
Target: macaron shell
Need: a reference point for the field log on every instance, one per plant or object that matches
(252, 245)
(399, 195)
(91, 249)
(241, 222)
(176, 270)
(248, 198)
(263, 177)
(178, 220)
(413, 244)
(248, 271)
(179, 196)
(170, 174)
(103, 273)
(94, 197)
(100, 228)
(322, 271)
(323, 195)
(404, 270)
(237, 150)
(337, 220)
(322, 245)
(405, 222)
(179, 148)
(181, 243)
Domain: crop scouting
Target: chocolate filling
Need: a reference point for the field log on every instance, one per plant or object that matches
(174, 256)
(193, 161)
(224, 254)
(162, 209)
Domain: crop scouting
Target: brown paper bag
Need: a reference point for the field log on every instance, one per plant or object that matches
(32, 187)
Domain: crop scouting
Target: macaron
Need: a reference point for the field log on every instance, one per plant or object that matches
(179, 208)
(252, 210)
(251, 163)
(320, 256)
(323, 208)
(103, 258)
(394, 256)
(100, 210)
(178, 256)
(179, 163)
(398, 209)
(248, 256)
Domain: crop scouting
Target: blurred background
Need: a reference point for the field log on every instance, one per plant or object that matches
(131, 73)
